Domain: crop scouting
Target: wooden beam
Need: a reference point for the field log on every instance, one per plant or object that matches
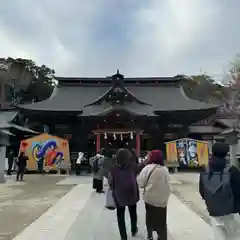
(117, 131)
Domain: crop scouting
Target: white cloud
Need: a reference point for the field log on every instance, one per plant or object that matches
(168, 30)
(93, 38)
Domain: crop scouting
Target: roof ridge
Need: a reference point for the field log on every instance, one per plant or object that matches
(125, 79)
(110, 93)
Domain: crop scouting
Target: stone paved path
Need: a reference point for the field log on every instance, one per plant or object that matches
(96, 222)
(81, 215)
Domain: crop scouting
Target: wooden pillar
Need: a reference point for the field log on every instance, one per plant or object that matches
(98, 143)
(138, 144)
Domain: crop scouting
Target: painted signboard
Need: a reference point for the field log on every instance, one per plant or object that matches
(171, 152)
(47, 151)
(203, 153)
(187, 152)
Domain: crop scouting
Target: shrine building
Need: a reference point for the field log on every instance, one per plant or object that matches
(112, 112)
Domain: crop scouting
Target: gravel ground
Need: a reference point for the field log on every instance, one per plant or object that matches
(22, 203)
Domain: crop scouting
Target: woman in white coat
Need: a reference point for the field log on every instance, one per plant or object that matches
(155, 181)
(78, 162)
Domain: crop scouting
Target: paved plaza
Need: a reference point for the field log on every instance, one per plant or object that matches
(22, 203)
(80, 214)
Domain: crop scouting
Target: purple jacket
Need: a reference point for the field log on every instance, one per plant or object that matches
(123, 183)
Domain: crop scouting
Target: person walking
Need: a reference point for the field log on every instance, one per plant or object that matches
(21, 165)
(123, 183)
(97, 168)
(135, 161)
(40, 164)
(10, 161)
(155, 181)
(79, 162)
(219, 187)
(108, 163)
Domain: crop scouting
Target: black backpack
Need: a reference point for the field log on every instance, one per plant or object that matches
(218, 193)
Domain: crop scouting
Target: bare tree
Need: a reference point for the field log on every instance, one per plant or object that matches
(4, 73)
(232, 105)
(203, 88)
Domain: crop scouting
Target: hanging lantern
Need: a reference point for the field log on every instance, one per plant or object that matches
(105, 135)
(131, 135)
(121, 137)
(114, 136)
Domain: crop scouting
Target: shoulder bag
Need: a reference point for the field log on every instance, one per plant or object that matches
(148, 177)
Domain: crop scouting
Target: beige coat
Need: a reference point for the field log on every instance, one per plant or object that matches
(157, 189)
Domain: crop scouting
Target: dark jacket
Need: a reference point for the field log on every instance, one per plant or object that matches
(217, 164)
(22, 160)
(108, 164)
(10, 157)
(100, 159)
(123, 182)
(140, 167)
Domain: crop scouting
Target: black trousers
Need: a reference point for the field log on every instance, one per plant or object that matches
(10, 165)
(98, 185)
(121, 220)
(20, 171)
(156, 220)
(78, 169)
(40, 165)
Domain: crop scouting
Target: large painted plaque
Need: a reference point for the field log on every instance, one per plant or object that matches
(51, 151)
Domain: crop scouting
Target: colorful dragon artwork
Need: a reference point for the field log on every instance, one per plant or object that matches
(47, 152)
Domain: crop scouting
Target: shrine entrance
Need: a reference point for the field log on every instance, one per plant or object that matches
(114, 139)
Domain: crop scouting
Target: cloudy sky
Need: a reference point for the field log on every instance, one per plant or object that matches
(140, 37)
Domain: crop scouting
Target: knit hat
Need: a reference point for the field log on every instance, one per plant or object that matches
(156, 156)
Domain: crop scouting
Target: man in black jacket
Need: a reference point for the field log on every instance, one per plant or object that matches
(21, 163)
(218, 163)
(219, 187)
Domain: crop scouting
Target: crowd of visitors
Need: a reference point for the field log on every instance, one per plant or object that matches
(218, 186)
(125, 176)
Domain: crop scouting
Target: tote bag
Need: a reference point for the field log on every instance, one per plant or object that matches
(110, 202)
